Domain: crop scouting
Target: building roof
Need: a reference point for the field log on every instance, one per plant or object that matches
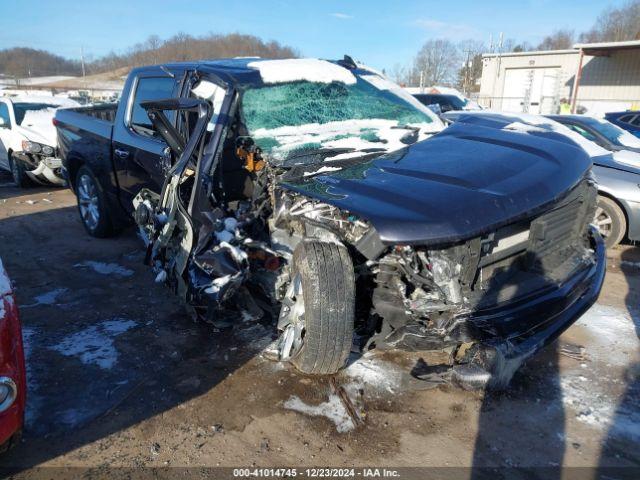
(605, 48)
(594, 49)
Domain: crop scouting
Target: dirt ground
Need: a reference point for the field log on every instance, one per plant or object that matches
(120, 376)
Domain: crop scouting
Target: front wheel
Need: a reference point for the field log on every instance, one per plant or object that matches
(610, 220)
(324, 288)
(92, 205)
(19, 172)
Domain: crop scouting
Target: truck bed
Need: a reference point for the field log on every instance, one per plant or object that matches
(97, 119)
(84, 138)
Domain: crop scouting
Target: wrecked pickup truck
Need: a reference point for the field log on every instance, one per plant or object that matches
(321, 194)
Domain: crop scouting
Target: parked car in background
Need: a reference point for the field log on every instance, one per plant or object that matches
(443, 102)
(337, 199)
(630, 121)
(13, 381)
(28, 143)
(604, 133)
(617, 172)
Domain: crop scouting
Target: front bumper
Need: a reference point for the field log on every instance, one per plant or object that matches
(632, 210)
(44, 170)
(521, 329)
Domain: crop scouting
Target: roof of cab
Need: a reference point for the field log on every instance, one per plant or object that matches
(231, 70)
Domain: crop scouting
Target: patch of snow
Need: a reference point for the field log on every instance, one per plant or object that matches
(593, 400)
(95, 344)
(613, 332)
(293, 137)
(375, 373)
(48, 298)
(529, 123)
(58, 101)
(106, 268)
(322, 170)
(302, 69)
(333, 409)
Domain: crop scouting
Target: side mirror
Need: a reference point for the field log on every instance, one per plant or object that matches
(4, 123)
(446, 108)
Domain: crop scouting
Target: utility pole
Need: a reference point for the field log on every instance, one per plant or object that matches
(467, 74)
(82, 61)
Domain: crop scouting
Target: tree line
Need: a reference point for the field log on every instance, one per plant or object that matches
(28, 62)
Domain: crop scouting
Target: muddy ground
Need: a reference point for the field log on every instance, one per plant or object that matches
(120, 376)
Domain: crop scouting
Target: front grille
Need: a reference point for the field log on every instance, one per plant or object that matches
(560, 232)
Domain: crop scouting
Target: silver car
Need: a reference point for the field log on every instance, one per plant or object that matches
(617, 172)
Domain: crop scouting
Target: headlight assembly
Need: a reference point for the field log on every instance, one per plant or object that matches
(47, 150)
(35, 147)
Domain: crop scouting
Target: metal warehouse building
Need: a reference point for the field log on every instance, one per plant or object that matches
(598, 77)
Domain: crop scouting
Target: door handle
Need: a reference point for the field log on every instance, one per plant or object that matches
(121, 153)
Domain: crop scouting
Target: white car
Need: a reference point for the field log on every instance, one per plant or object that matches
(28, 139)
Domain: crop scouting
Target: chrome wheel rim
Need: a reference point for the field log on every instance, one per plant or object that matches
(293, 310)
(603, 221)
(88, 202)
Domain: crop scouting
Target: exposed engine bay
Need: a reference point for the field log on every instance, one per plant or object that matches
(225, 228)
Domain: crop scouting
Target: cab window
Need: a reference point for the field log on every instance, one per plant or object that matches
(149, 88)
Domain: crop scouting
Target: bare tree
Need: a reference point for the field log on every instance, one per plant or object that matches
(616, 24)
(558, 40)
(438, 60)
(471, 53)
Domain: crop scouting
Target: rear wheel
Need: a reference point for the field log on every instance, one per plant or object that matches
(19, 172)
(323, 288)
(92, 205)
(610, 220)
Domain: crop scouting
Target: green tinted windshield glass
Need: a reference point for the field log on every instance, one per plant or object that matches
(289, 117)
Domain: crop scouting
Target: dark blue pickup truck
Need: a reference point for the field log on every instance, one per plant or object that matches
(322, 196)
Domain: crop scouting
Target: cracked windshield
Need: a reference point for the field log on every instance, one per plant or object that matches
(293, 122)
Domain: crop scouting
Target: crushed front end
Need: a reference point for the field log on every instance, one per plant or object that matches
(494, 300)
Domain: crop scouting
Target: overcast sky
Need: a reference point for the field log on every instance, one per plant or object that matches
(379, 33)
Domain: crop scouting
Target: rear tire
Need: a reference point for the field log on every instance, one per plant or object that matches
(610, 220)
(19, 173)
(92, 205)
(328, 289)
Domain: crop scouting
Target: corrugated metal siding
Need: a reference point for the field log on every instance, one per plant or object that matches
(616, 77)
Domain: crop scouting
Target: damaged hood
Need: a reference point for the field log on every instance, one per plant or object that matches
(456, 185)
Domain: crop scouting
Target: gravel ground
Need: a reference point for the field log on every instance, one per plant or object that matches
(119, 376)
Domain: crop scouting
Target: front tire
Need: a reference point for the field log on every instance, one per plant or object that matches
(328, 289)
(92, 204)
(610, 220)
(19, 173)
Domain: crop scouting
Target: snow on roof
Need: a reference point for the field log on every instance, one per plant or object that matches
(529, 123)
(50, 100)
(299, 69)
(608, 45)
